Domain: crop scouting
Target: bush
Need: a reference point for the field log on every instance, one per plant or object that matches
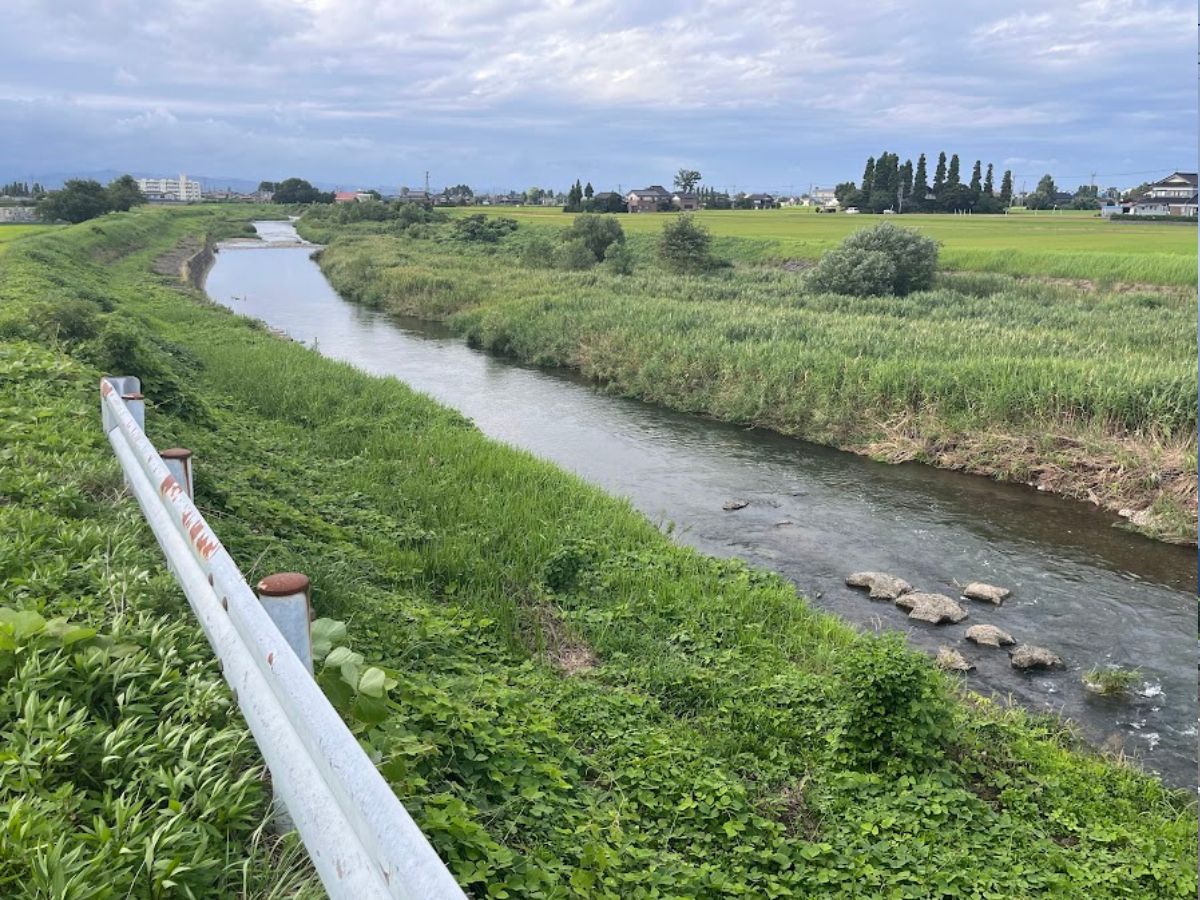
(597, 232)
(538, 252)
(66, 320)
(686, 246)
(483, 229)
(913, 257)
(895, 708)
(573, 255)
(862, 273)
(618, 259)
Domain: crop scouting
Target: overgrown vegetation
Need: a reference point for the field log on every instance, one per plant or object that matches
(706, 750)
(1112, 682)
(883, 259)
(1088, 393)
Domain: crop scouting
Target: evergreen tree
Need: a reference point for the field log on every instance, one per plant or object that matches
(939, 175)
(906, 180)
(868, 175)
(587, 191)
(1006, 192)
(952, 173)
(989, 186)
(976, 186)
(920, 180)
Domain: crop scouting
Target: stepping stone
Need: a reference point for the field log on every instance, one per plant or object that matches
(934, 608)
(1028, 656)
(988, 593)
(952, 661)
(881, 585)
(989, 636)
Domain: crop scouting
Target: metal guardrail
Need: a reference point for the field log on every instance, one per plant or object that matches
(361, 840)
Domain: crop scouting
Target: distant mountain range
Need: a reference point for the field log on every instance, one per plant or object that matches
(207, 182)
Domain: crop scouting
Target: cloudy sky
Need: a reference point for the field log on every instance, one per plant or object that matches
(513, 93)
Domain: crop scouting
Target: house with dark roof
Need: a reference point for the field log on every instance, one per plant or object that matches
(655, 198)
(1174, 195)
(760, 201)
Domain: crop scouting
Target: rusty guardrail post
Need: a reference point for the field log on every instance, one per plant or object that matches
(287, 599)
(178, 461)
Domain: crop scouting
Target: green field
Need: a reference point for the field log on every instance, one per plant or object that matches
(582, 708)
(1076, 245)
(11, 233)
(1088, 393)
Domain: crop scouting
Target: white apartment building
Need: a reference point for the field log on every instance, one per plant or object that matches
(170, 188)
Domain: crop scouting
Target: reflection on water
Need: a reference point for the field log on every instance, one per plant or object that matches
(1094, 594)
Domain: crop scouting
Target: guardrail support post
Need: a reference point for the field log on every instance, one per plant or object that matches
(179, 463)
(136, 404)
(287, 598)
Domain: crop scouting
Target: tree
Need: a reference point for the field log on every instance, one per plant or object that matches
(124, 194)
(885, 259)
(939, 175)
(296, 190)
(597, 233)
(989, 186)
(976, 186)
(845, 191)
(1043, 196)
(267, 187)
(1006, 188)
(77, 201)
(921, 180)
(685, 246)
(952, 172)
(687, 179)
(588, 191)
(868, 179)
(906, 183)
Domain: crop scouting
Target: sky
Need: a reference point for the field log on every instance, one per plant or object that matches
(503, 94)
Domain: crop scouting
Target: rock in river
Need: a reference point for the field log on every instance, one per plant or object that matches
(989, 636)
(731, 505)
(1028, 656)
(935, 608)
(952, 661)
(881, 585)
(977, 590)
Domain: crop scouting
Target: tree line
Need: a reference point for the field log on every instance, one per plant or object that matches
(81, 199)
(902, 187)
(22, 189)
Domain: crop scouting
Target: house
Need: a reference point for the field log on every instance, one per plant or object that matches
(823, 196)
(760, 201)
(1174, 195)
(685, 202)
(180, 189)
(652, 199)
(407, 196)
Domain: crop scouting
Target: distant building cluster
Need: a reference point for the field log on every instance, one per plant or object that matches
(179, 190)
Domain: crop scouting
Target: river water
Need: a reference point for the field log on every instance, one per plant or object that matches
(1094, 594)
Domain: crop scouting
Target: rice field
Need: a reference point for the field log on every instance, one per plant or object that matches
(11, 233)
(1067, 244)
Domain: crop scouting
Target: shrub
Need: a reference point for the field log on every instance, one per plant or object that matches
(538, 252)
(686, 246)
(597, 232)
(862, 273)
(573, 255)
(618, 259)
(66, 320)
(483, 229)
(895, 707)
(850, 271)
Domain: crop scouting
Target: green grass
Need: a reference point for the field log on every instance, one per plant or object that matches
(725, 740)
(1076, 245)
(10, 233)
(1091, 393)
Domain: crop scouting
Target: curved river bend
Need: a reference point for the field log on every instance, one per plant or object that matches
(1094, 594)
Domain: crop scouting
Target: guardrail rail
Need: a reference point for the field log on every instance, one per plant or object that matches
(362, 842)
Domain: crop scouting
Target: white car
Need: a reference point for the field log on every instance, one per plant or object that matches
(852, 211)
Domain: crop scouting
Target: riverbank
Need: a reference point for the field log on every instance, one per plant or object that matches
(1088, 394)
(582, 705)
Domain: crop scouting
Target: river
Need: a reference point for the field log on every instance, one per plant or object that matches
(1094, 594)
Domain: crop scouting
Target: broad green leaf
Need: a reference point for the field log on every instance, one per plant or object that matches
(373, 682)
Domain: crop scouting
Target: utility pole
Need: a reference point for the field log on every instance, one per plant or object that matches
(427, 183)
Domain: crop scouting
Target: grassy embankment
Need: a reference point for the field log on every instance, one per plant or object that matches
(10, 233)
(1071, 244)
(582, 708)
(1087, 393)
